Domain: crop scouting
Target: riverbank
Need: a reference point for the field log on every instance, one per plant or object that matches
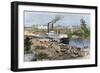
(44, 49)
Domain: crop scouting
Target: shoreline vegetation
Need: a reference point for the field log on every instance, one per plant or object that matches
(82, 33)
(38, 49)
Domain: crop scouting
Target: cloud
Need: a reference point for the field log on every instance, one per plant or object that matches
(32, 18)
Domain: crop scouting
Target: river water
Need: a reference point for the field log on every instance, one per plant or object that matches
(79, 43)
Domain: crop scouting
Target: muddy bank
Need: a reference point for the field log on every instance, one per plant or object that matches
(44, 49)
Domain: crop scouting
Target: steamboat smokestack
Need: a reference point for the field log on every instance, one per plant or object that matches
(57, 18)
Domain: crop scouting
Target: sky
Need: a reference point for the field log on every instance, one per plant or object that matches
(42, 18)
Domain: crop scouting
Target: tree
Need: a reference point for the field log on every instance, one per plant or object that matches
(83, 23)
(27, 44)
(85, 32)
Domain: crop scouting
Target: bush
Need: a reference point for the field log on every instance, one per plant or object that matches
(27, 44)
(42, 56)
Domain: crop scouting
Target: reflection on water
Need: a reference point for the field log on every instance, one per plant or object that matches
(79, 43)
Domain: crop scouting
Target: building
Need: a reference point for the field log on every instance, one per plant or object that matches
(39, 26)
